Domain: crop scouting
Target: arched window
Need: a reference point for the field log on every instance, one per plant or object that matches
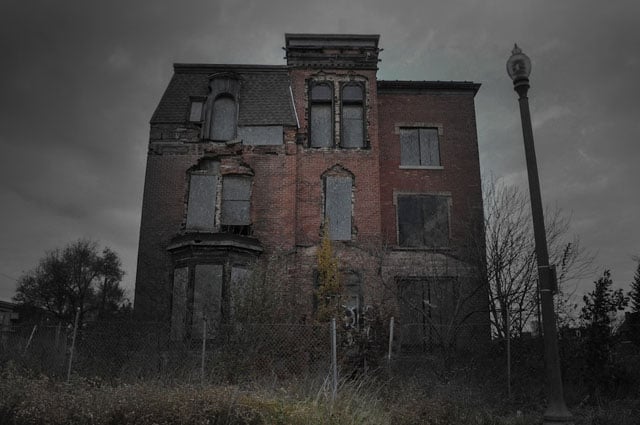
(321, 115)
(224, 118)
(352, 119)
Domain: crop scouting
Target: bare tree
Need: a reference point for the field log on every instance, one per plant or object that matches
(511, 268)
(441, 302)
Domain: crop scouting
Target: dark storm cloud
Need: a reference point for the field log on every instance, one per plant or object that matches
(79, 81)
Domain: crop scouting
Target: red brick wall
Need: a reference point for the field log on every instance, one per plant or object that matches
(287, 187)
(273, 197)
(313, 162)
(460, 175)
(162, 213)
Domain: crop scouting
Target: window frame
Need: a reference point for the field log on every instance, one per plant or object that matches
(322, 102)
(399, 127)
(215, 223)
(214, 127)
(235, 228)
(350, 102)
(182, 324)
(326, 218)
(203, 104)
(204, 169)
(448, 199)
(422, 336)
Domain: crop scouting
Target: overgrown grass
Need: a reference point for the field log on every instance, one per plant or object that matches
(27, 398)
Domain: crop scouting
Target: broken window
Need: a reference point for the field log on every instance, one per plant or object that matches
(224, 118)
(338, 207)
(203, 186)
(321, 115)
(352, 116)
(419, 147)
(236, 201)
(423, 221)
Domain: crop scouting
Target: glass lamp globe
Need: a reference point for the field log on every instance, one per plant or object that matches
(518, 65)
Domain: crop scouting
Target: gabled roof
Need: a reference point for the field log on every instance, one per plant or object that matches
(264, 99)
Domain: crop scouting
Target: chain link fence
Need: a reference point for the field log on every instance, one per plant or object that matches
(242, 353)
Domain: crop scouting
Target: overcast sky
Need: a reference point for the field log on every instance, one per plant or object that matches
(79, 81)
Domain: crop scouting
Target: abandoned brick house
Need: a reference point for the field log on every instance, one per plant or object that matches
(248, 161)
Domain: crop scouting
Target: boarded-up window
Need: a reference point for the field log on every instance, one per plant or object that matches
(321, 115)
(195, 114)
(352, 117)
(338, 206)
(236, 201)
(202, 202)
(179, 303)
(423, 221)
(425, 312)
(224, 118)
(207, 297)
(419, 147)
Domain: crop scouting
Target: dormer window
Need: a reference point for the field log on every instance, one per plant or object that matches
(221, 108)
(224, 118)
(195, 113)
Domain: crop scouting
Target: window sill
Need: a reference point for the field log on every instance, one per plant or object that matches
(421, 167)
(423, 248)
(338, 149)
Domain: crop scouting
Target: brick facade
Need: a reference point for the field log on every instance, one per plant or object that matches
(290, 179)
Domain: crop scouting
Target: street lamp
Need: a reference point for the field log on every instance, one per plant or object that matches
(519, 68)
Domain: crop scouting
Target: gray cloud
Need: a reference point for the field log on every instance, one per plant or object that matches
(80, 81)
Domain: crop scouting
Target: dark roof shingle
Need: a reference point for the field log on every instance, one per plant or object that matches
(264, 97)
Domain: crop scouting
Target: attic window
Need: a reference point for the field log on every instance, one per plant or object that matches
(195, 113)
(224, 118)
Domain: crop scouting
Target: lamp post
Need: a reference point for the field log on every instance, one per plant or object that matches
(519, 68)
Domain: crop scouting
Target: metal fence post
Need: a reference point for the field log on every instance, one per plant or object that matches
(57, 341)
(73, 344)
(204, 348)
(334, 360)
(391, 323)
(508, 335)
(26, 347)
